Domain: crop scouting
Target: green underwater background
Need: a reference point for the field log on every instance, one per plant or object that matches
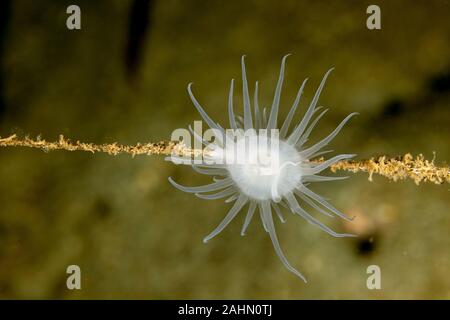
(123, 78)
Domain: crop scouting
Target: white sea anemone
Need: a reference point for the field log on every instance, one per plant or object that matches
(264, 177)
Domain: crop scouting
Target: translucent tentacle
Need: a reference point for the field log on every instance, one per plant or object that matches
(312, 204)
(206, 188)
(221, 194)
(247, 111)
(308, 131)
(323, 202)
(230, 107)
(264, 117)
(258, 120)
(240, 120)
(232, 198)
(262, 219)
(296, 208)
(288, 120)
(278, 212)
(239, 123)
(217, 179)
(315, 178)
(202, 112)
(248, 217)
(298, 131)
(210, 172)
(283, 204)
(272, 124)
(240, 202)
(311, 150)
(268, 221)
(322, 166)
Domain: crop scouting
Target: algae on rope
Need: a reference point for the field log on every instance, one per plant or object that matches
(418, 169)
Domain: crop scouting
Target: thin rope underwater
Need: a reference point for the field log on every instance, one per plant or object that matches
(399, 168)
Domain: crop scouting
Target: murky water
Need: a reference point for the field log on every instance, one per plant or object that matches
(135, 236)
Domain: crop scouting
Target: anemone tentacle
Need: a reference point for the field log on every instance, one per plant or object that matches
(323, 202)
(231, 115)
(288, 120)
(219, 195)
(308, 131)
(247, 110)
(272, 123)
(268, 222)
(319, 145)
(297, 133)
(240, 202)
(248, 217)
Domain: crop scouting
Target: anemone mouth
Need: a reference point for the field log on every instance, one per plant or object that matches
(279, 175)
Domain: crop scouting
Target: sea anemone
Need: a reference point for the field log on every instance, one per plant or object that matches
(266, 171)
